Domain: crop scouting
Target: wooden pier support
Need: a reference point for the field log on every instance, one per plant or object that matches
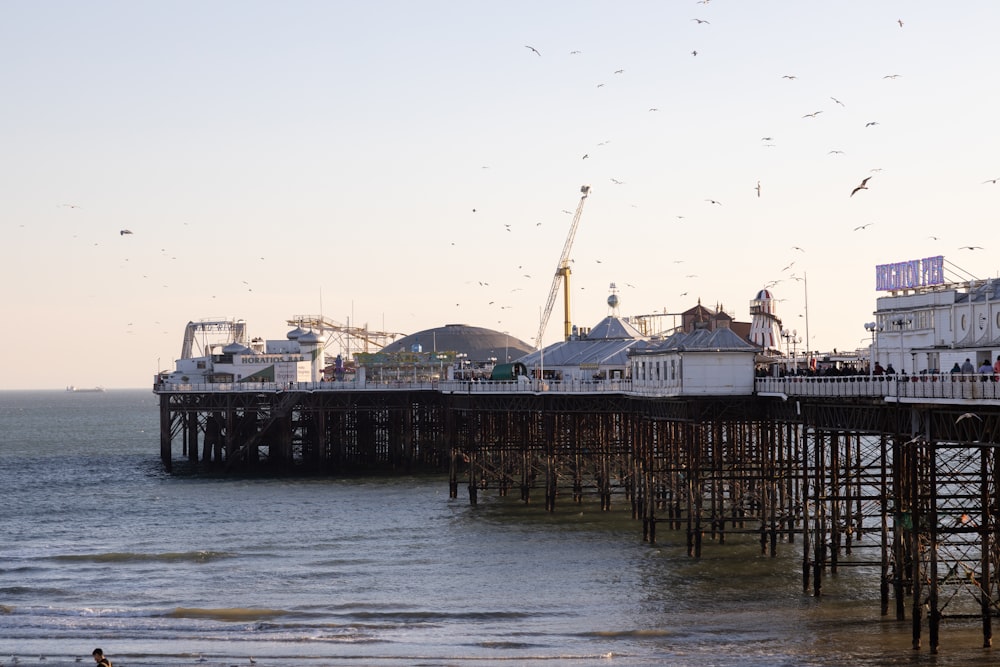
(910, 491)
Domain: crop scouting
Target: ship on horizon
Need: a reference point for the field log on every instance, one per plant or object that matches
(76, 389)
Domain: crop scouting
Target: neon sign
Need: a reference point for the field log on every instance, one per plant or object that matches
(911, 274)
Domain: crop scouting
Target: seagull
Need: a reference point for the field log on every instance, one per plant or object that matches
(871, 122)
(533, 49)
(617, 182)
(837, 101)
(892, 76)
(701, 21)
(573, 53)
(694, 53)
(968, 415)
(813, 114)
(653, 109)
(619, 71)
(758, 188)
(866, 226)
(991, 180)
(70, 206)
(123, 232)
(900, 22)
(795, 247)
(863, 186)
(971, 247)
(712, 201)
(585, 156)
(835, 152)
(790, 77)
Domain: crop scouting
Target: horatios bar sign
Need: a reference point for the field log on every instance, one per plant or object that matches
(909, 275)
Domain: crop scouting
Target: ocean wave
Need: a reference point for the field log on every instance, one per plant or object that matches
(126, 557)
(231, 614)
(638, 632)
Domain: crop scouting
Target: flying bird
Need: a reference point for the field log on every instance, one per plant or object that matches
(837, 101)
(991, 180)
(701, 21)
(790, 77)
(900, 22)
(971, 247)
(758, 188)
(892, 76)
(871, 122)
(865, 226)
(813, 114)
(533, 49)
(795, 247)
(968, 415)
(619, 71)
(863, 186)
(694, 53)
(712, 201)
(123, 232)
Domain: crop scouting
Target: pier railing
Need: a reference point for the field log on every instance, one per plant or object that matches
(891, 388)
(904, 388)
(445, 386)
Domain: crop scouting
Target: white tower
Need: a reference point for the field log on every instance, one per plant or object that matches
(765, 327)
(310, 346)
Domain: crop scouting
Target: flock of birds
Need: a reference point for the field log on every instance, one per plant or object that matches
(500, 300)
(768, 141)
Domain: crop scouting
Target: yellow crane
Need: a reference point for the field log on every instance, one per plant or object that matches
(562, 271)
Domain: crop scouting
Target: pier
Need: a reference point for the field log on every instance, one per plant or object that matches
(898, 474)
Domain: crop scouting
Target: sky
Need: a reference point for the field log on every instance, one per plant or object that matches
(406, 165)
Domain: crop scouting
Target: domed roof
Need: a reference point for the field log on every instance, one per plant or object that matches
(294, 333)
(236, 348)
(478, 343)
(309, 338)
(763, 294)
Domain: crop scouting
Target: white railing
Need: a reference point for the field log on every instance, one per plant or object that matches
(906, 388)
(903, 388)
(445, 386)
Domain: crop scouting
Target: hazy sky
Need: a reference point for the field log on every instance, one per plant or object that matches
(410, 164)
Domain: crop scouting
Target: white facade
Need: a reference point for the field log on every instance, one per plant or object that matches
(702, 363)
(276, 361)
(930, 330)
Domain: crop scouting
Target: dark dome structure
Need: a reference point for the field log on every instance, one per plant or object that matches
(479, 344)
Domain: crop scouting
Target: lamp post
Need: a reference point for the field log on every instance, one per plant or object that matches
(901, 322)
(872, 352)
(791, 340)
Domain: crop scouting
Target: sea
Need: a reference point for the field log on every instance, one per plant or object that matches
(101, 547)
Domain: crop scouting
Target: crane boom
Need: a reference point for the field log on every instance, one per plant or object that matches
(562, 271)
